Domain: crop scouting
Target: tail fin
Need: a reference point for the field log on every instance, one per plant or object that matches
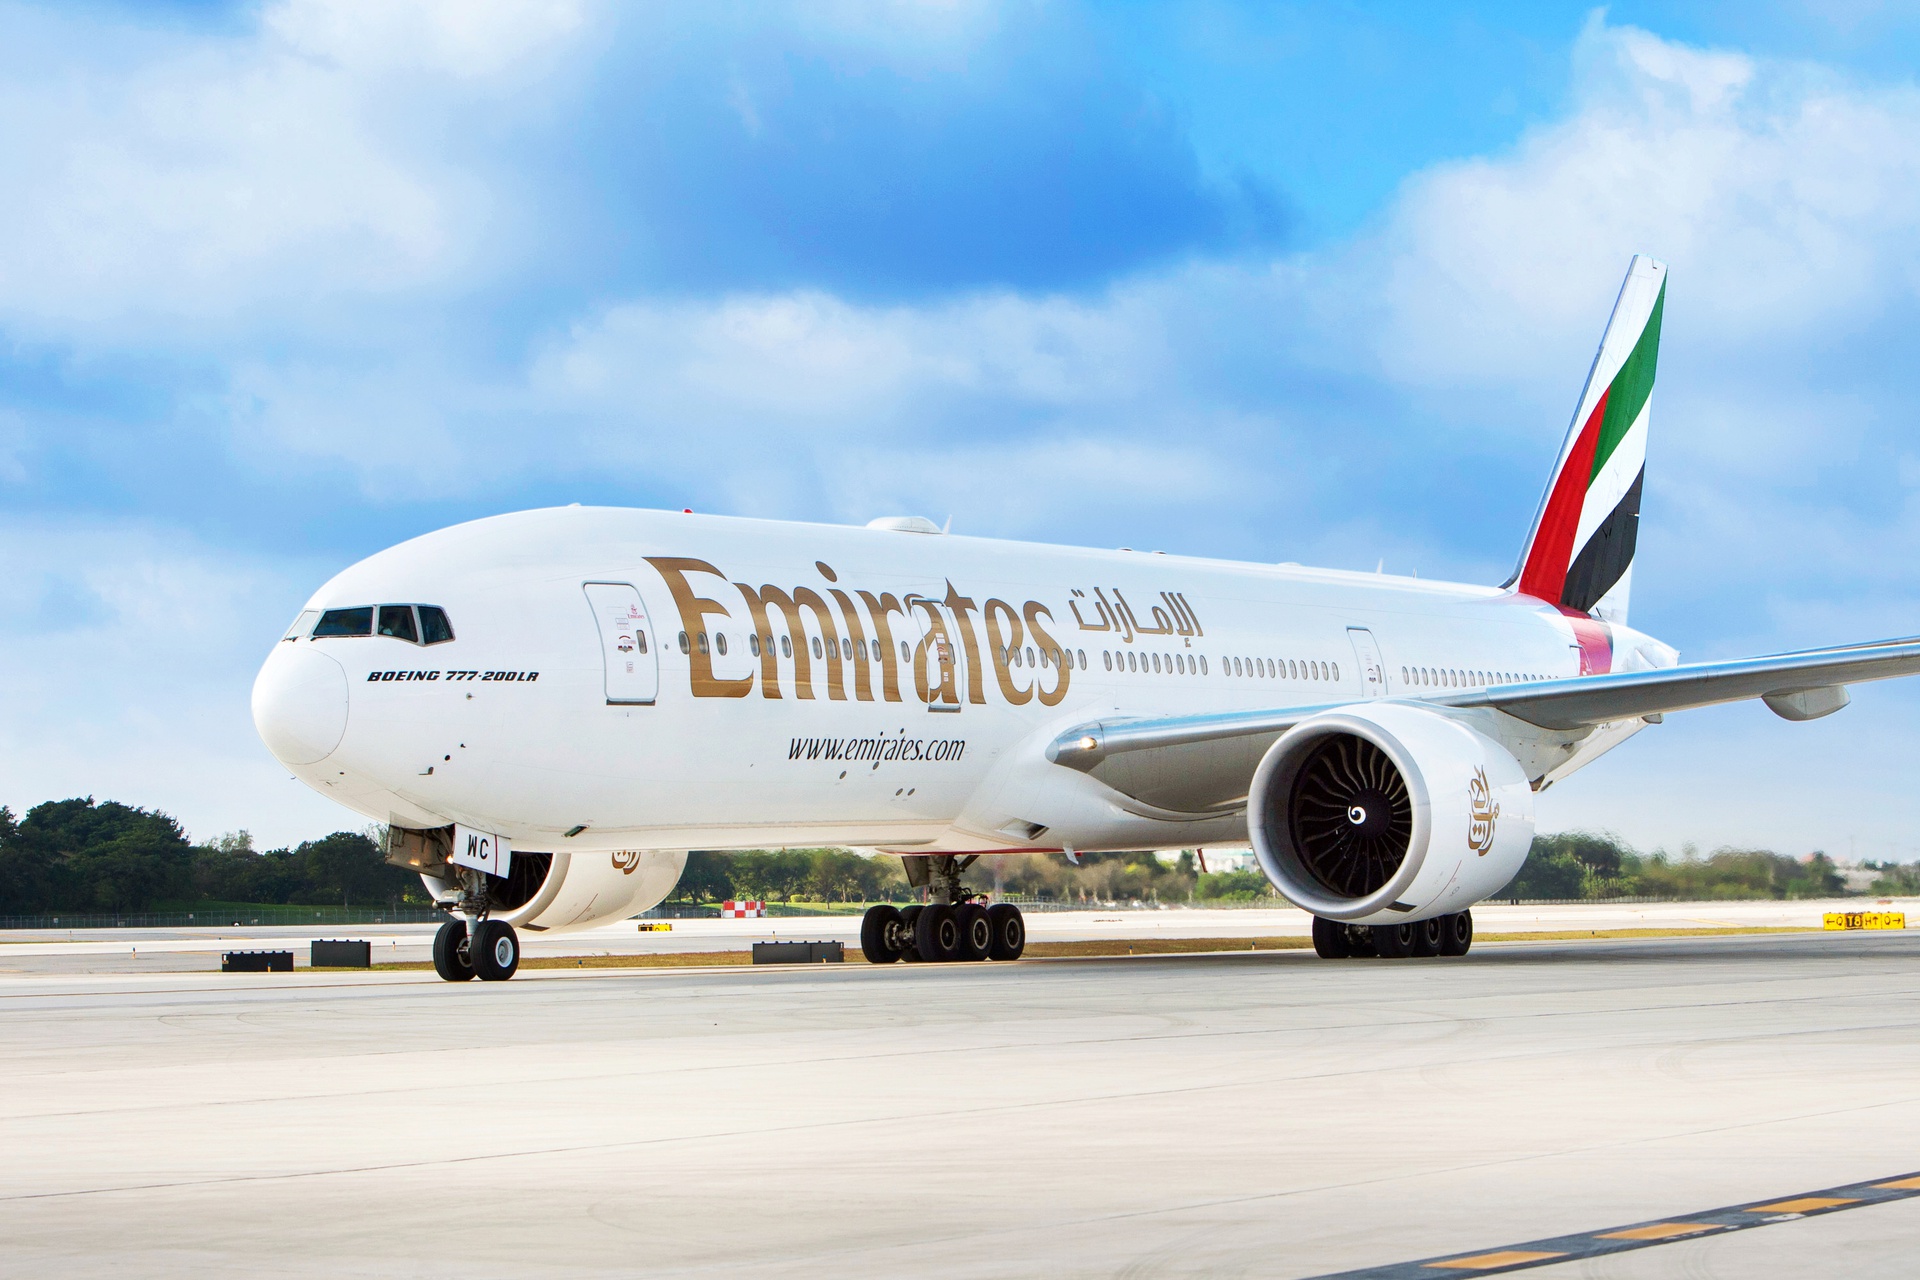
(1580, 553)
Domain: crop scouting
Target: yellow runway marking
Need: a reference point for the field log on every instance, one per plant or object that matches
(1699, 1225)
(1803, 1205)
(1504, 1258)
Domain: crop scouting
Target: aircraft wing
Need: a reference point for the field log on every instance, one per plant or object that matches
(1203, 763)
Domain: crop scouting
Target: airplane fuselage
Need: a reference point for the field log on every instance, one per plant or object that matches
(802, 684)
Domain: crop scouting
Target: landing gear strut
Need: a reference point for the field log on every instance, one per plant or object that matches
(953, 924)
(1448, 935)
(470, 945)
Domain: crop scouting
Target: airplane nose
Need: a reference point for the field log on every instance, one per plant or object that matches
(300, 704)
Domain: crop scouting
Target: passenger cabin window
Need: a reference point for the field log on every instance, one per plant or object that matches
(345, 622)
(396, 620)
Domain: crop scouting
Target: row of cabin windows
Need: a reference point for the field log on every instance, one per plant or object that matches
(1283, 668)
(414, 623)
(1030, 656)
(1454, 678)
(756, 645)
(1196, 664)
(1153, 663)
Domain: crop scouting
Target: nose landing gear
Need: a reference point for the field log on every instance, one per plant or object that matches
(470, 945)
(952, 925)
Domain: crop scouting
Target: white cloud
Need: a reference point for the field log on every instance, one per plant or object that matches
(167, 188)
(467, 38)
(1784, 199)
(132, 651)
(259, 178)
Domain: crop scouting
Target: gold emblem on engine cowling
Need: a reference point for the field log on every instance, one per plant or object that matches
(627, 861)
(1485, 813)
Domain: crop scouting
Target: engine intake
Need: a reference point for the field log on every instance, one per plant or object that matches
(1350, 815)
(1385, 813)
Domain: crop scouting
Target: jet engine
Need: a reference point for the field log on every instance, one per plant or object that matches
(1382, 814)
(550, 891)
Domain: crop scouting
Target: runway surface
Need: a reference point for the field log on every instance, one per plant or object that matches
(198, 949)
(1234, 1114)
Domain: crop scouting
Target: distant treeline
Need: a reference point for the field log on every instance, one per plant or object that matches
(1580, 864)
(835, 875)
(76, 855)
(79, 855)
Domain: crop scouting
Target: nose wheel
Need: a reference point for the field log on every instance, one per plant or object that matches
(469, 945)
(451, 958)
(489, 952)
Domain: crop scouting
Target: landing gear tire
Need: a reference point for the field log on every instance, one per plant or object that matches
(976, 931)
(1428, 935)
(1330, 940)
(936, 934)
(1457, 933)
(910, 924)
(496, 951)
(1009, 931)
(1393, 941)
(450, 958)
(882, 930)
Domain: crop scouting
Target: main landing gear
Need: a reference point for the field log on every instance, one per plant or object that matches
(472, 946)
(951, 925)
(1448, 935)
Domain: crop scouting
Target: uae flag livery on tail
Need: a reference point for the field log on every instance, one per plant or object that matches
(1580, 554)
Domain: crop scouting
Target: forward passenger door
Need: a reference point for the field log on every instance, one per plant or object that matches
(629, 646)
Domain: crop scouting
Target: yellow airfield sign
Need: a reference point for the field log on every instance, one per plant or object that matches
(1866, 920)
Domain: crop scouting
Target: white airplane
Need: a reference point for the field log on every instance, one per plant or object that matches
(549, 708)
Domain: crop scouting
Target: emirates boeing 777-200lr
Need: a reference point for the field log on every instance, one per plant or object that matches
(613, 687)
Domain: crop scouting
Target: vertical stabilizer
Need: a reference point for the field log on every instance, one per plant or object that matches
(1580, 553)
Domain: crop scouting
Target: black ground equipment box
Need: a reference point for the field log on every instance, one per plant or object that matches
(340, 955)
(257, 962)
(799, 953)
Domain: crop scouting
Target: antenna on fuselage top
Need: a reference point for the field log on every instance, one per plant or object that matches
(948, 526)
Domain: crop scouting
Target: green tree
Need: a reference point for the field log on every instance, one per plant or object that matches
(103, 857)
(1233, 886)
(30, 880)
(346, 867)
(1896, 879)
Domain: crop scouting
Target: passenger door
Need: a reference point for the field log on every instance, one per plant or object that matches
(629, 647)
(1373, 672)
(939, 671)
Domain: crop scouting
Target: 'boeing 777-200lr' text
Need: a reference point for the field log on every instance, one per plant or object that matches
(548, 709)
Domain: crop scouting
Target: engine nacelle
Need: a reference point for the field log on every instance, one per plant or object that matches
(1381, 814)
(576, 890)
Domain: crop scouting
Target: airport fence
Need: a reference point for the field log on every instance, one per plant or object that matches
(224, 918)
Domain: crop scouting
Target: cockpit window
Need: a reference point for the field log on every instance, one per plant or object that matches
(345, 622)
(414, 623)
(396, 620)
(302, 625)
(434, 627)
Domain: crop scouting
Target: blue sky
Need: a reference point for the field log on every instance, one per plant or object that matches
(281, 284)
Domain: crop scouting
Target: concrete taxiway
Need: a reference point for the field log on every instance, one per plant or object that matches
(1235, 1114)
(153, 950)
